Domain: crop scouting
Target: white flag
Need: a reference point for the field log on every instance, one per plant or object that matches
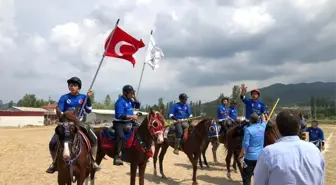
(154, 54)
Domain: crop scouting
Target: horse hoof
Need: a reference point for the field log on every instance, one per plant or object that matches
(155, 173)
(235, 171)
(208, 166)
(229, 176)
(164, 176)
(195, 183)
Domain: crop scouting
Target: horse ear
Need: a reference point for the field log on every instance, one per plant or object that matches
(151, 111)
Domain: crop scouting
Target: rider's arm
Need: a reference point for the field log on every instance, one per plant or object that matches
(120, 111)
(88, 106)
(321, 136)
(244, 99)
(136, 104)
(61, 103)
(220, 107)
(261, 171)
(171, 112)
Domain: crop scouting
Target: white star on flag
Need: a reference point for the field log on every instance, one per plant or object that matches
(154, 54)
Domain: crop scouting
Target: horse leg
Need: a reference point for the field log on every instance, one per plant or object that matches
(164, 148)
(100, 156)
(214, 151)
(134, 168)
(200, 161)
(206, 145)
(228, 163)
(193, 160)
(236, 155)
(82, 176)
(156, 153)
(142, 169)
(234, 165)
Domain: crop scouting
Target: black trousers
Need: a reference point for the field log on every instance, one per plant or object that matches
(248, 171)
(119, 129)
(178, 130)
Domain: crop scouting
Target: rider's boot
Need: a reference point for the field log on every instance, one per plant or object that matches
(177, 146)
(52, 168)
(117, 159)
(95, 166)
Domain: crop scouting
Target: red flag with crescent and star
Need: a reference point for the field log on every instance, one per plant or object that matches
(122, 45)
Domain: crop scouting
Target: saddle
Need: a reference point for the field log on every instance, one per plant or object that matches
(171, 134)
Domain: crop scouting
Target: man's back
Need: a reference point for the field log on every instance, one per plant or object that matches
(290, 161)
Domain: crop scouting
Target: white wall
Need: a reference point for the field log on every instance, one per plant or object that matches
(13, 121)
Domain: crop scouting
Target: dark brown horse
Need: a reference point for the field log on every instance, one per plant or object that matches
(216, 141)
(73, 159)
(234, 139)
(137, 149)
(191, 145)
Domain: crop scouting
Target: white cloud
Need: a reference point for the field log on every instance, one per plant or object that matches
(41, 48)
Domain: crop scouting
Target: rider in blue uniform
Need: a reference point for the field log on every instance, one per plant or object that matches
(316, 135)
(233, 113)
(69, 102)
(222, 114)
(179, 113)
(124, 116)
(252, 104)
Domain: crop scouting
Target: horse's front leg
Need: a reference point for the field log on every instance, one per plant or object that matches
(237, 161)
(134, 168)
(142, 169)
(156, 153)
(163, 152)
(193, 160)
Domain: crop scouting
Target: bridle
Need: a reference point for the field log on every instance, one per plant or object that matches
(155, 125)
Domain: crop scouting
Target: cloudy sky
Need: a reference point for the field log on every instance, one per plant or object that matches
(209, 45)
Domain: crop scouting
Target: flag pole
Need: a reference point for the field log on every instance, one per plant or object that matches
(99, 66)
(143, 68)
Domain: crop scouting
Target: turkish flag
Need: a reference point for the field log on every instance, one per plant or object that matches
(122, 45)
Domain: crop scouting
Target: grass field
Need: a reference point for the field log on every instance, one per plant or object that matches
(24, 158)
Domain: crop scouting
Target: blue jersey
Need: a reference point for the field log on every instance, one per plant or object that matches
(233, 114)
(69, 102)
(253, 141)
(315, 134)
(180, 111)
(124, 107)
(253, 106)
(220, 112)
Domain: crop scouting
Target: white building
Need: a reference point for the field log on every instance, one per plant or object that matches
(106, 116)
(18, 118)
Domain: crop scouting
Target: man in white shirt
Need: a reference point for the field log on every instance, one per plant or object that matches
(290, 161)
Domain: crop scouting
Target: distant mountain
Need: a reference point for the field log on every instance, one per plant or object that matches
(5, 106)
(299, 94)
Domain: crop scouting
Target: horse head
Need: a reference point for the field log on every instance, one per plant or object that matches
(271, 133)
(156, 125)
(67, 133)
(202, 128)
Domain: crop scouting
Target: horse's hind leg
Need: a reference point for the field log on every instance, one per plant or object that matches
(156, 153)
(100, 156)
(228, 163)
(234, 165)
(164, 148)
(214, 151)
(204, 152)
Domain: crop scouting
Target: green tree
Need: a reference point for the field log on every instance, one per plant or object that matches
(107, 101)
(10, 104)
(28, 100)
(92, 98)
(236, 95)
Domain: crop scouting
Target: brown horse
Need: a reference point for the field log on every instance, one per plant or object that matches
(234, 140)
(216, 141)
(191, 145)
(73, 159)
(137, 149)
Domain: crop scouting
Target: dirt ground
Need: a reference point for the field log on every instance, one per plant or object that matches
(24, 158)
